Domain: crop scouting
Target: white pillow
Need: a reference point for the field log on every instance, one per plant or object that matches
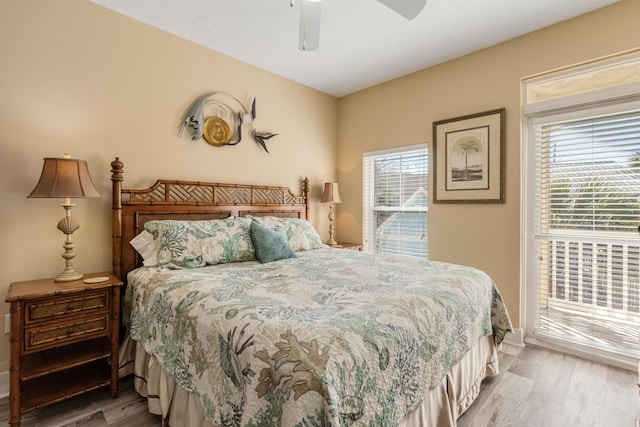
(147, 247)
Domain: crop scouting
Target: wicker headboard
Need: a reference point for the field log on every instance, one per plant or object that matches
(192, 200)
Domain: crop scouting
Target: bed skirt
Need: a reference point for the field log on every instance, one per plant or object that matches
(441, 407)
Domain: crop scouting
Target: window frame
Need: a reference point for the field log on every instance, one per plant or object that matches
(612, 99)
(368, 206)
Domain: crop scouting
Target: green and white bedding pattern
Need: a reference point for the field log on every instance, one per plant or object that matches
(329, 338)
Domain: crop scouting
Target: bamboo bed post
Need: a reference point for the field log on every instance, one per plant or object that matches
(305, 193)
(117, 170)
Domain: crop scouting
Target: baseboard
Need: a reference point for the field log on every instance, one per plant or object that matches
(585, 352)
(4, 384)
(515, 338)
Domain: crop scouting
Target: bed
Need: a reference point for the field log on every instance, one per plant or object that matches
(236, 314)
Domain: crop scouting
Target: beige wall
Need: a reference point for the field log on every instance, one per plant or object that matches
(402, 111)
(78, 78)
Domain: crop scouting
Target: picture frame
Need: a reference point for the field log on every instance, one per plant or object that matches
(468, 158)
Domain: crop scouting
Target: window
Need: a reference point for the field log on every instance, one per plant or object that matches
(588, 184)
(582, 211)
(395, 201)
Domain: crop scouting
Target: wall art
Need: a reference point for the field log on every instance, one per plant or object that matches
(225, 115)
(468, 158)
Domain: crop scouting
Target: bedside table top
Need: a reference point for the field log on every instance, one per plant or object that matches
(346, 245)
(32, 289)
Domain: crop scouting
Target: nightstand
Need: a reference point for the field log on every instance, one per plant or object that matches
(64, 340)
(352, 246)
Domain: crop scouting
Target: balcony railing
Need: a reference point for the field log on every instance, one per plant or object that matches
(590, 288)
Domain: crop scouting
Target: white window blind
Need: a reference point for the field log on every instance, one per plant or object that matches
(587, 212)
(590, 170)
(395, 201)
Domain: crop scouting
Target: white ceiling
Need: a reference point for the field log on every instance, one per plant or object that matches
(362, 42)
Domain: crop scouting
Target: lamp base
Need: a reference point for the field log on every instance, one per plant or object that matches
(332, 240)
(68, 225)
(68, 276)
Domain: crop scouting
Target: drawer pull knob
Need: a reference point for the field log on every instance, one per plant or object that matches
(70, 306)
(69, 331)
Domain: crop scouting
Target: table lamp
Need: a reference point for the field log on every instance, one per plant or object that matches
(331, 195)
(66, 178)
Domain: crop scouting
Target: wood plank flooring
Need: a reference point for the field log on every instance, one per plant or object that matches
(535, 388)
(93, 409)
(544, 388)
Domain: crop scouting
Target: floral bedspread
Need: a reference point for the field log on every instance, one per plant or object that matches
(329, 338)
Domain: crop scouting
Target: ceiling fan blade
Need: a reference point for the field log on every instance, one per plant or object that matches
(407, 8)
(309, 24)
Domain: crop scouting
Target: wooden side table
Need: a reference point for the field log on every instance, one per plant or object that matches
(352, 246)
(64, 340)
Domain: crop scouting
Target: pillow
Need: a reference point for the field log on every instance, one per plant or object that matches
(147, 247)
(192, 244)
(300, 233)
(270, 244)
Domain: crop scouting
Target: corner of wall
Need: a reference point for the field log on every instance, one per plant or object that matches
(516, 338)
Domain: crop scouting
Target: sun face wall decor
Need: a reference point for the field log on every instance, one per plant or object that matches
(223, 126)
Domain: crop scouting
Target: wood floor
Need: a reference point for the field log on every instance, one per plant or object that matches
(93, 409)
(543, 388)
(535, 387)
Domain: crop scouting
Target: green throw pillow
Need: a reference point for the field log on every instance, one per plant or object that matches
(270, 244)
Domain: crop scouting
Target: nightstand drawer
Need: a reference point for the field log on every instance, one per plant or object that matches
(65, 305)
(65, 333)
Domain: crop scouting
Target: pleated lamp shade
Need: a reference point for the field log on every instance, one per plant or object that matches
(331, 193)
(65, 178)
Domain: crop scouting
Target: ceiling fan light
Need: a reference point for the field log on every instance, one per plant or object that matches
(407, 8)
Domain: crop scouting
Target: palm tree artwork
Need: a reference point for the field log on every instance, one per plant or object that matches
(466, 147)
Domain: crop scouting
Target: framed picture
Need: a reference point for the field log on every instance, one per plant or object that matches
(468, 155)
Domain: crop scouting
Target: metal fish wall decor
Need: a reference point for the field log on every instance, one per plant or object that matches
(223, 126)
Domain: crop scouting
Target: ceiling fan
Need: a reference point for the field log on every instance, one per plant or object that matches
(310, 11)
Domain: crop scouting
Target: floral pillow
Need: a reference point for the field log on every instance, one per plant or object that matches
(192, 244)
(301, 234)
